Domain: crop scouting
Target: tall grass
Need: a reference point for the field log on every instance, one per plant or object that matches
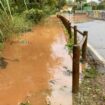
(9, 9)
(3, 6)
(17, 17)
(25, 4)
(9, 28)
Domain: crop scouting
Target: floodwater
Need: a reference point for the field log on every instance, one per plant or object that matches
(36, 67)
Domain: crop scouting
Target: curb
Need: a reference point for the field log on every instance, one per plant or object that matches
(95, 56)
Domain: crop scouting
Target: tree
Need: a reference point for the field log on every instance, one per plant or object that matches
(60, 3)
(80, 2)
(93, 4)
(101, 5)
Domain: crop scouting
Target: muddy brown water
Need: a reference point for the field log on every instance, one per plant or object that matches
(37, 67)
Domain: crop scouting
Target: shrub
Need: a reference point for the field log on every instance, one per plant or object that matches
(70, 44)
(9, 27)
(90, 72)
(49, 10)
(21, 24)
(6, 27)
(35, 15)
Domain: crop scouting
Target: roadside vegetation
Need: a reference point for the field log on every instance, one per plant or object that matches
(92, 87)
(70, 44)
(17, 16)
(91, 91)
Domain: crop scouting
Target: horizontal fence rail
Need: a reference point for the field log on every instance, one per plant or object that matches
(80, 32)
(77, 47)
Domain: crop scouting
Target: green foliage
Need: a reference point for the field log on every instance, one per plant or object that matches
(90, 73)
(18, 15)
(80, 1)
(61, 3)
(6, 26)
(20, 24)
(101, 5)
(70, 44)
(9, 27)
(35, 15)
(86, 5)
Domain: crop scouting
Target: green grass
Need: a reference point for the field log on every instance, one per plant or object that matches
(11, 28)
(90, 73)
(70, 44)
(21, 24)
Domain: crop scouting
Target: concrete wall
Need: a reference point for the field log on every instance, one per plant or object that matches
(97, 14)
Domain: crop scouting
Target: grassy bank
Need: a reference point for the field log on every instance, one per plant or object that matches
(19, 16)
(92, 89)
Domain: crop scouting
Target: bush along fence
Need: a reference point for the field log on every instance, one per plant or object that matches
(77, 49)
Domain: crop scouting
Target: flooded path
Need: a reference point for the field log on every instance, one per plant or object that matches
(36, 67)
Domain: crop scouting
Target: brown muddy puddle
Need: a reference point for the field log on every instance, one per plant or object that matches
(37, 67)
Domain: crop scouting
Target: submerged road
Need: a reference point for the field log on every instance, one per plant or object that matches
(96, 36)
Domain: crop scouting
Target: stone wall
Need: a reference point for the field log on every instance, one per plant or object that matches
(97, 14)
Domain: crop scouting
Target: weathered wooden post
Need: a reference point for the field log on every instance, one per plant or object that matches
(75, 76)
(84, 47)
(69, 30)
(68, 27)
(75, 34)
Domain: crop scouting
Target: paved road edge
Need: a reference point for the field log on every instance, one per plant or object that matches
(96, 57)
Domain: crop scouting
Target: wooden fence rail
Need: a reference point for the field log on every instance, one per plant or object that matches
(77, 47)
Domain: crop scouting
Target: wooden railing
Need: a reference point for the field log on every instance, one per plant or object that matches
(77, 47)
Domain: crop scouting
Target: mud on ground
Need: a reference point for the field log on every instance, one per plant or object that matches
(36, 67)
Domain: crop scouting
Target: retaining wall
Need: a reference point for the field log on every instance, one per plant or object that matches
(97, 14)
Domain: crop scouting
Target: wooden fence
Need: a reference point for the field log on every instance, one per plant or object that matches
(77, 49)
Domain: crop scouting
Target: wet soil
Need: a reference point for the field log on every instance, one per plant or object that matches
(37, 67)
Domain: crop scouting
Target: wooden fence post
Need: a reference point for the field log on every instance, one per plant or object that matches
(75, 34)
(75, 76)
(69, 30)
(84, 47)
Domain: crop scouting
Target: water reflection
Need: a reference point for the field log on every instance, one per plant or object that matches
(61, 81)
(42, 68)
